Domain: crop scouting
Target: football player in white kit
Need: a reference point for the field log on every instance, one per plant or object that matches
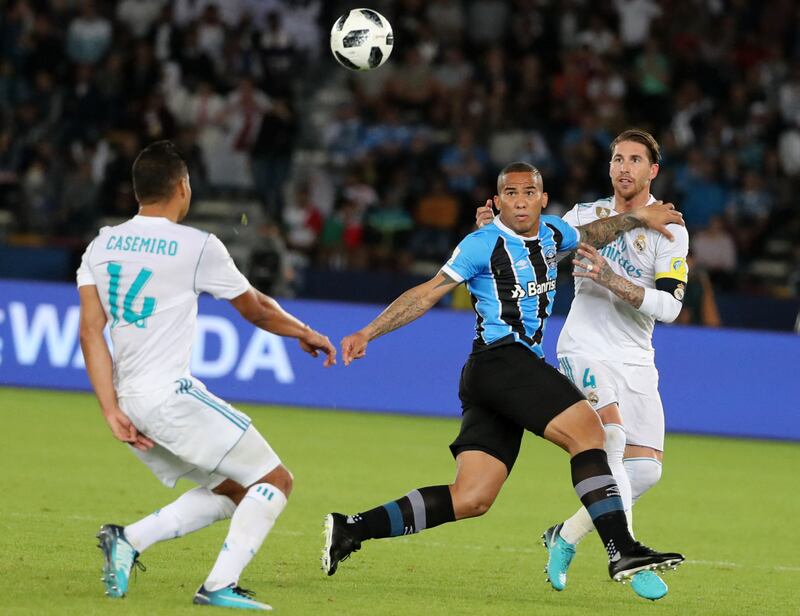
(605, 347)
(142, 278)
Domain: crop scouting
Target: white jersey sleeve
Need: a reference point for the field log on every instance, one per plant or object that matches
(572, 217)
(84, 275)
(671, 271)
(217, 274)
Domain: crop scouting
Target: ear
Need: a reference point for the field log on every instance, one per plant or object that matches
(544, 200)
(496, 201)
(654, 168)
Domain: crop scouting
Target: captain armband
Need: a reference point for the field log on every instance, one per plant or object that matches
(676, 288)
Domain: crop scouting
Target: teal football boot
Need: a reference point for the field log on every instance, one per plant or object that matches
(119, 557)
(648, 585)
(559, 556)
(229, 596)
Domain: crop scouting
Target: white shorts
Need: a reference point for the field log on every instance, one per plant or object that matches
(198, 437)
(634, 388)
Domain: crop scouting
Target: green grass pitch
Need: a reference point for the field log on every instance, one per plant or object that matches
(730, 505)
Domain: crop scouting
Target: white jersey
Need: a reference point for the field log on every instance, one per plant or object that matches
(149, 272)
(600, 325)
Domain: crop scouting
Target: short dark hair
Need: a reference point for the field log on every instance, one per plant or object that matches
(516, 167)
(640, 136)
(156, 171)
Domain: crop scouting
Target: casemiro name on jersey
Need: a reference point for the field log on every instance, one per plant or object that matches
(136, 243)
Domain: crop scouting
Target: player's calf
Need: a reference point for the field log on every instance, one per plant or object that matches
(251, 522)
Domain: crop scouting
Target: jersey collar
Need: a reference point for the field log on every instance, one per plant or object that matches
(151, 220)
(508, 231)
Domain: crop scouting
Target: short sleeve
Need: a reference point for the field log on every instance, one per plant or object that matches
(217, 273)
(566, 236)
(85, 276)
(571, 217)
(467, 260)
(671, 271)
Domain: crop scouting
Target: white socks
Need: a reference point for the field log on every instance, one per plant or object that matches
(615, 450)
(580, 524)
(192, 511)
(253, 519)
(644, 473)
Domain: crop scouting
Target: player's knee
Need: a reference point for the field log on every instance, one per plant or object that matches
(588, 436)
(281, 478)
(472, 505)
(644, 473)
(576, 429)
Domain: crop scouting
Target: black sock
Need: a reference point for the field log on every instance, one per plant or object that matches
(599, 493)
(416, 511)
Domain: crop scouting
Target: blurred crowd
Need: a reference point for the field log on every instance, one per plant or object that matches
(384, 169)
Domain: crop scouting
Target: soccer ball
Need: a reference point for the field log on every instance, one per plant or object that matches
(361, 40)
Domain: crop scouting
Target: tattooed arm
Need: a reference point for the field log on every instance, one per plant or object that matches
(656, 216)
(409, 306)
(597, 268)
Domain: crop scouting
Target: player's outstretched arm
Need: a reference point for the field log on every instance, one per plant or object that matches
(99, 366)
(656, 216)
(409, 306)
(265, 313)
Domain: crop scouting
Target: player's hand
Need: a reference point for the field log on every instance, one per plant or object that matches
(314, 342)
(354, 346)
(484, 214)
(591, 264)
(123, 430)
(658, 215)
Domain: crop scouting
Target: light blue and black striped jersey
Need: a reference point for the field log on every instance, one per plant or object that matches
(512, 279)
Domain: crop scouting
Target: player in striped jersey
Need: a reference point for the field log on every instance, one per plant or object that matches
(605, 347)
(506, 387)
(142, 278)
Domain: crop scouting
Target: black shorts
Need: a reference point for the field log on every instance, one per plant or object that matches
(505, 391)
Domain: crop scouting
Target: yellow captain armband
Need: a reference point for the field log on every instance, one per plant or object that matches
(677, 270)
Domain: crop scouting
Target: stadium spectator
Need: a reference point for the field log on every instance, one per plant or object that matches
(139, 15)
(715, 251)
(303, 222)
(699, 304)
(703, 195)
(88, 35)
(635, 20)
(435, 217)
(271, 155)
(277, 49)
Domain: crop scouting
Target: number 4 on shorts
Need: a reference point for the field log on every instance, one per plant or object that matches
(588, 379)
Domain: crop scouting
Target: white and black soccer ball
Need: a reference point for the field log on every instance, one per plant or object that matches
(361, 40)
